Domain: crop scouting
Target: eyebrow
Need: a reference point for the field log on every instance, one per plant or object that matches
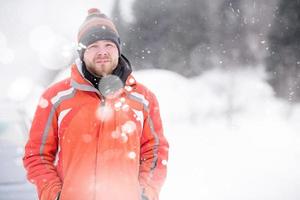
(107, 41)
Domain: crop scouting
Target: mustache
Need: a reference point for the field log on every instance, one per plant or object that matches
(102, 57)
(107, 58)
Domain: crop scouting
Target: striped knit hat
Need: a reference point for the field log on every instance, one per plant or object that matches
(97, 26)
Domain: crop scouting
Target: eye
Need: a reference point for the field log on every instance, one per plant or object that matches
(92, 46)
(109, 44)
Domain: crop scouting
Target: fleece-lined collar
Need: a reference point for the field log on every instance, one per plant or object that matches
(81, 82)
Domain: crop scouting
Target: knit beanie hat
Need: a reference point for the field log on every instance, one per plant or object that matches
(97, 26)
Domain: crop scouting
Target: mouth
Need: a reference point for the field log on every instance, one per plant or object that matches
(102, 61)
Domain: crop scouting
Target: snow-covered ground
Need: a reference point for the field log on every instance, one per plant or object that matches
(230, 139)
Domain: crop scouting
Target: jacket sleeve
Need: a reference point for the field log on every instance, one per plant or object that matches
(41, 149)
(154, 152)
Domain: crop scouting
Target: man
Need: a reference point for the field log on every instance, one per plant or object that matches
(98, 134)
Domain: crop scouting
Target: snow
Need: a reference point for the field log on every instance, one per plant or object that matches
(230, 138)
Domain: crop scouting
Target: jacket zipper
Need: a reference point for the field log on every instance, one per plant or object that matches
(102, 104)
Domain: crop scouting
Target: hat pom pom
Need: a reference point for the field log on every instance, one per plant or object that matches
(93, 11)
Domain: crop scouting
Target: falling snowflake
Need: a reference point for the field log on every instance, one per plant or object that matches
(115, 134)
(81, 46)
(104, 113)
(132, 155)
(129, 127)
(131, 81)
(128, 88)
(124, 137)
(125, 107)
(123, 100)
(43, 103)
(164, 162)
(118, 105)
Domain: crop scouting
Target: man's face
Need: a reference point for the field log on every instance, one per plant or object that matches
(101, 57)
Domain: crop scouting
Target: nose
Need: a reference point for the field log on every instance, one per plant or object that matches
(101, 51)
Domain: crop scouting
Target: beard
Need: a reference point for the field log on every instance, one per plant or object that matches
(101, 66)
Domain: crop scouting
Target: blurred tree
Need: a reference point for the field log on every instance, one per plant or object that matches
(283, 62)
(164, 33)
(231, 42)
(189, 37)
(118, 19)
(258, 16)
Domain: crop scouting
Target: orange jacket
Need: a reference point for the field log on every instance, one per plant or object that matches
(92, 148)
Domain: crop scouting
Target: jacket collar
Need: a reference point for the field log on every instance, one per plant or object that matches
(80, 83)
(77, 79)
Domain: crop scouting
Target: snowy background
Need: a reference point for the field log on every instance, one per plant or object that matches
(230, 136)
